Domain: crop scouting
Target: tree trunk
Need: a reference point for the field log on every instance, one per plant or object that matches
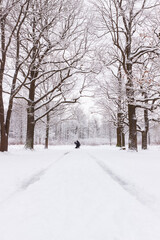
(30, 116)
(144, 140)
(8, 119)
(120, 131)
(118, 137)
(31, 105)
(120, 117)
(47, 133)
(145, 132)
(132, 127)
(46, 143)
(131, 109)
(30, 128)
(3, 140)
(10, 105)
(132, 119)
(123, 140)
(4, 136)
(130, 91)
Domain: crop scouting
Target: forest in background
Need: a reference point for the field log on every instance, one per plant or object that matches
(89, 128)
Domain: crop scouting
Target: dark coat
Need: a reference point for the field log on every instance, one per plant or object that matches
(77, 144)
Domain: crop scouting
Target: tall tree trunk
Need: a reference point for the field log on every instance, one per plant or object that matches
(10, 105)
(144, 140)
(132, 127)
(130, 89)
(47, 132)
(120, 118)
(30, 117)
(131, 109)
(30, 128)
(3, 136)
(31, 105)
(145, 132)
(118, 137)
(146, 121)
(123, 140)
(120, 131)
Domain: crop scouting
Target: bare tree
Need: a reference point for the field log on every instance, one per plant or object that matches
(58, 45)
(121, 19)
(10, 61)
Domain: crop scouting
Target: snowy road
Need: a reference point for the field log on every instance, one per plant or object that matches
(83, 194)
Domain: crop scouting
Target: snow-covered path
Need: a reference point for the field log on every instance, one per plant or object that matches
(80, 195)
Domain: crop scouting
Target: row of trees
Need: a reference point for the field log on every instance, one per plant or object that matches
(44, 59)
(129, 48)
(64, 128)
(72, 124)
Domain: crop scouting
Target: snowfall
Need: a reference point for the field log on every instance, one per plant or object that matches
(91, 193)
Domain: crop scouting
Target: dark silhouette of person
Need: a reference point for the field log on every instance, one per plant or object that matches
(77, 144)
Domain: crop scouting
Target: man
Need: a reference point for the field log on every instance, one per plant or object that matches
(77, 144)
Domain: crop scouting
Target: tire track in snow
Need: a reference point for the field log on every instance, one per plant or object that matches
(140, 195)
(31, 180)
(37, 176)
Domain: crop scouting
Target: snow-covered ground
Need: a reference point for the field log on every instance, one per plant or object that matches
(92, 193)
